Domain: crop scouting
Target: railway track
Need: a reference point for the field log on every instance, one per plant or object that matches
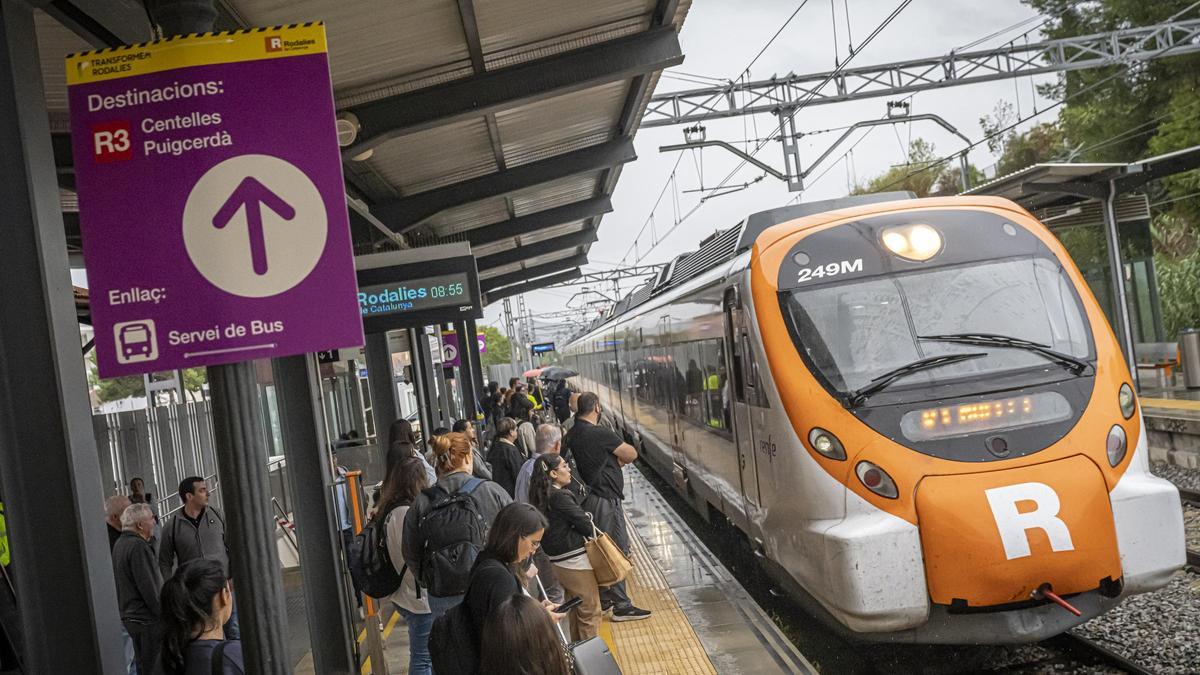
(1193, 498)
(1090, 652)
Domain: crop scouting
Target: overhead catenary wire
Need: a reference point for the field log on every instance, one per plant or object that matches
(813, 92)
(680, 75)
(773, 38)
(1006, 29)
(717, 191)
(939, 162)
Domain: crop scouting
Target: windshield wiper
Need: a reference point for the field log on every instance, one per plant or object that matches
(860, 396)
(1075, 365)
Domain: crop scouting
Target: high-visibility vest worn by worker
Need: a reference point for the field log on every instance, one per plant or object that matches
(5, 556)
(712, 387)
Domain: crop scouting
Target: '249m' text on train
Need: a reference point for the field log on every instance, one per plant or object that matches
(914, 409)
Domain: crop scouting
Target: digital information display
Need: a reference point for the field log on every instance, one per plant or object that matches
(447, 290)
(969, 418)
(541, 347)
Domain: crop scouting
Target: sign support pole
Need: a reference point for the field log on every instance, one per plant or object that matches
(246, 492)
(302, 422)
(63, 573)
(466, 369)
(383, 391)
(421, 383)
(473, 355)
(242, 459)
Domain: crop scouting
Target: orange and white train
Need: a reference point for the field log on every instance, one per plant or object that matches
(914, 409)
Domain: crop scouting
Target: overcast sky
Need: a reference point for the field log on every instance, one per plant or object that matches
(719, 39)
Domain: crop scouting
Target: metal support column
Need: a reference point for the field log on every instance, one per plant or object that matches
(358, 406)
(420, 382)
(791, 150)
(423, 356)
(964, 168)
(60, 559)
(1116, 265)
(466, 371)
(305, 445)
(383, 388)
(449, 411)
(473, 353)
(241, 450)
(513, 338)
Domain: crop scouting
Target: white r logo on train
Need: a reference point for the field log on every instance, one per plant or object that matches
(1013, 524)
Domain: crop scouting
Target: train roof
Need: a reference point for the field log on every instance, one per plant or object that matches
(724, 245)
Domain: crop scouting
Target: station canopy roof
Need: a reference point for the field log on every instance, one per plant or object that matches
(1052, 184)
(504, 123)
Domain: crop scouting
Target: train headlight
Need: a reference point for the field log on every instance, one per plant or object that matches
(1116, 445)
(913, 242)
(1126, 399)
(826, 443)
(876, 480)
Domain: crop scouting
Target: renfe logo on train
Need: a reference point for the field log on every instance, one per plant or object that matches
(214, 227)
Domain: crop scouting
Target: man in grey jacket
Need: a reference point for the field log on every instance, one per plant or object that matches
(138, 584)
(195, 531)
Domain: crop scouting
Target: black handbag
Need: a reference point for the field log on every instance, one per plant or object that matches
(588, 657)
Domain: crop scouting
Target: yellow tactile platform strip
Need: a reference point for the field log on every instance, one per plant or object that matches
(664, 644)
(1171, 403)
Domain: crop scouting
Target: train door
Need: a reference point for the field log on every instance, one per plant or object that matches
(736, 342)
(675, 409)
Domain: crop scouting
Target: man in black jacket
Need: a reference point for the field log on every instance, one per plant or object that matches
(138, 584)
(600, 454)
(196, 531)
(505, 458)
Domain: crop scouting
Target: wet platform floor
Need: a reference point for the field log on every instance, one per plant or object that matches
(703, 620)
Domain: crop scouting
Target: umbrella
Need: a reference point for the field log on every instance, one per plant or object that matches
(557, 373)
(532, 373)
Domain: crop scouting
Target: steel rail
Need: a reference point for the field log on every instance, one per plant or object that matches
(1191, 497)
(1088, 650)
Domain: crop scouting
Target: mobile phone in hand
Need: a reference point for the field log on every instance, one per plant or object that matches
(568, 605)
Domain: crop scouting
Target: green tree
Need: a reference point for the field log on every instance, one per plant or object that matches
(923, 174)
(1014, 151)
(1147, 108)
(117, 388)
(498, 347)
(194, 380)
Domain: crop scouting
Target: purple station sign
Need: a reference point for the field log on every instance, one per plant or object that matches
(452, 351)
(211, 200)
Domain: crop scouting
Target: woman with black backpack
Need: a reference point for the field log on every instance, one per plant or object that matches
(404, 482)
(496, 577)
(447, 524)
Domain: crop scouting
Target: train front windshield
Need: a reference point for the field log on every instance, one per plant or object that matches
(853, 332)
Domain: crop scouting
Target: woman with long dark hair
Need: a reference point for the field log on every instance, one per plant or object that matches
(519, 639)
(515, 535)
(404, 482)
(402, 444)
(568, 527)
(196, 603)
